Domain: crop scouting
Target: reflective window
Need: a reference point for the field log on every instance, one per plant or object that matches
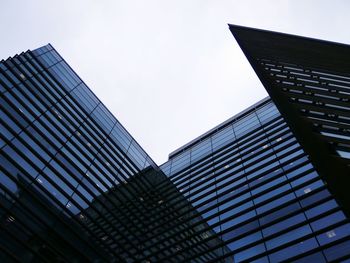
(334, 234)
(293, 250)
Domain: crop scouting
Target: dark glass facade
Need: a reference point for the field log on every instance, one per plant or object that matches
(255, 186)
(61, 150)
(76, 187)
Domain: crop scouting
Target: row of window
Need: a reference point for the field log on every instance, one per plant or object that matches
(260, 193)
(218, 140)
(52, 145)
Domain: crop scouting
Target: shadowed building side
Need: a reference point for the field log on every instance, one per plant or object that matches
(309, 81)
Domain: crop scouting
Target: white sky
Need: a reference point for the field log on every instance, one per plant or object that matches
(168, 70)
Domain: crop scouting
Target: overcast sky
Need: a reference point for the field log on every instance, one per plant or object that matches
(168, 70)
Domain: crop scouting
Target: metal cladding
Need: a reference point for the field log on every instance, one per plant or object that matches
(309, 81)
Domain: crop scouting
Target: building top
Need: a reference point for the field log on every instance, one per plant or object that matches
(306, 51)
(50, 57)
(219, 127)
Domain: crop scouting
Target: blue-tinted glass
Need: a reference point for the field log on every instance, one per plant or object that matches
(48, 59)
(200, 150)
(291, 221)
(58, 71)
(245, 241)
(180, 162)
(236, 220)
(41, 50)
(275, 203)
(266, 186)
(7, 84)
(334, 234)
(337, 251)
(302, 179)
(315, 198)
(320, 209)
(238, 209)
(308, 188)
(99, 115)
(289, 236)
(279, 213)
(261, 260)
(136, 154)
(250, 252)
(328, 221)
(317, 257)
(245, 125)
(293, 250)
(272, 193)
(5, 181)
(85, 98)
(120, 136)
(267, 112)
(241, 230)
(55, 193)
(223, 137)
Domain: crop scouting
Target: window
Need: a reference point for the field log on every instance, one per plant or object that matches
(337, 251)
(288, 237)
(328, 221)
(334, 234)
(245, 241)
(294, 250)
(291, 221)
(248, 253)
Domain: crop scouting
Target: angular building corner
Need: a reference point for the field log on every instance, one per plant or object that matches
(267, 185)
(309, 81)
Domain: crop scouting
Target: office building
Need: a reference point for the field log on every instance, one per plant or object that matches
(267, 185)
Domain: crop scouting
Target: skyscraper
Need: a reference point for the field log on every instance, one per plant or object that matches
(267, 185)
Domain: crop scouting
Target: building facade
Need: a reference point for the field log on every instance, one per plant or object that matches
(267, 185)
(256, 187)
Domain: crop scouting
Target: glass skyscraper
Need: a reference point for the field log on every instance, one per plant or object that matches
(76, 187)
